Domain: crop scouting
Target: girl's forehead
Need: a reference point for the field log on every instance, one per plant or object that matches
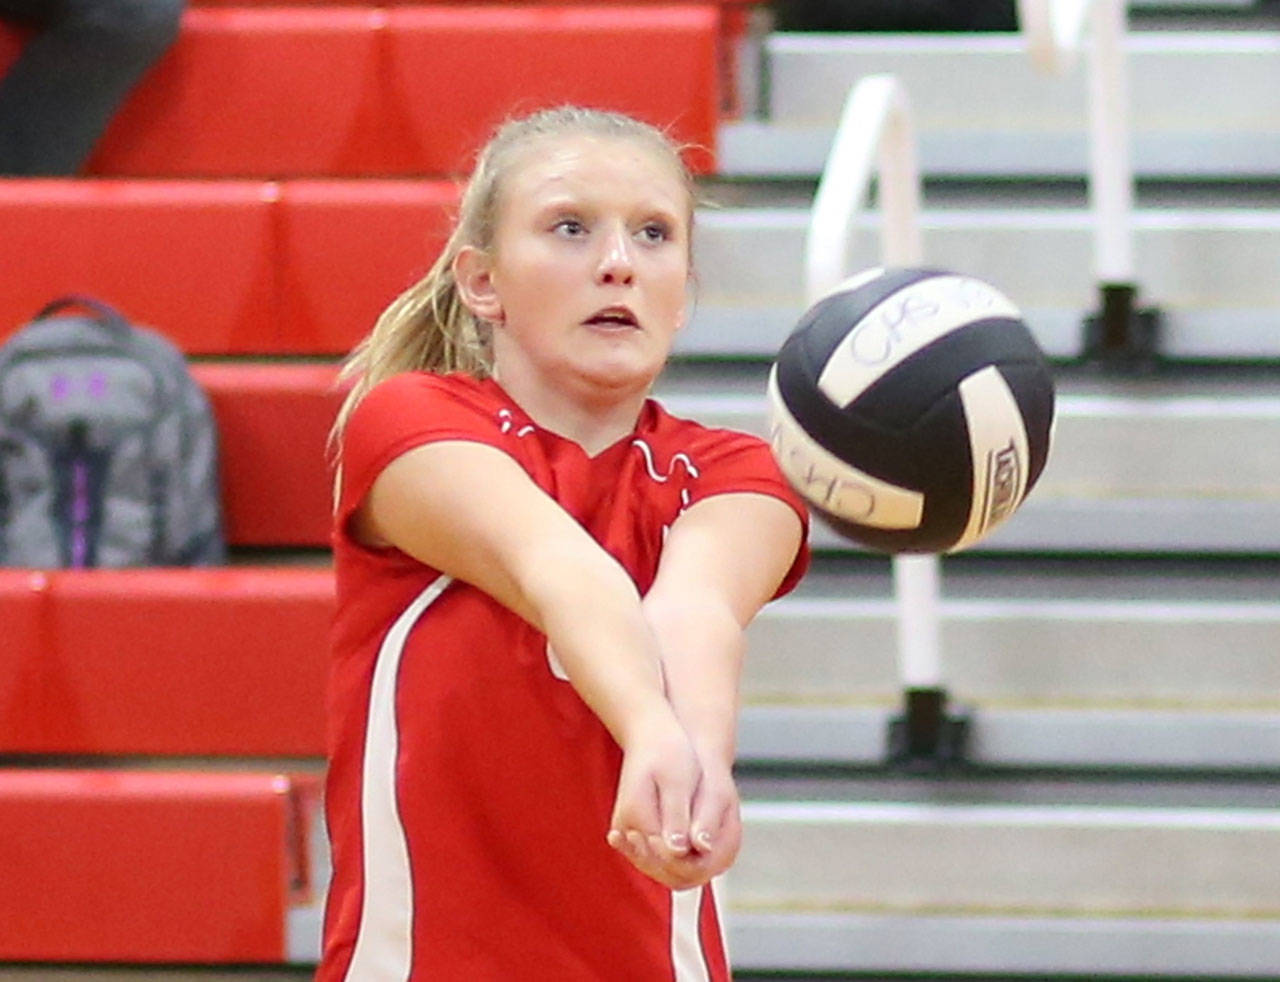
(591, 164)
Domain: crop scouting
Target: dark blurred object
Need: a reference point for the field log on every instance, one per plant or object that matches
(1122, 337)
(895, 15)
(80, 61)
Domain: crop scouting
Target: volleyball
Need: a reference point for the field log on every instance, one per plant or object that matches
(912, 409)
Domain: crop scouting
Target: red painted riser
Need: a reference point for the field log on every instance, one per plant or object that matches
(164, 662)
(352, 91)
(117, 866)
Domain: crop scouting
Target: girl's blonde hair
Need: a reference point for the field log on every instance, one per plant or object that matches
(428, 327)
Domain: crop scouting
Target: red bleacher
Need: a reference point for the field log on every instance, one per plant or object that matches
(194, 259)
(355, 91)
(345, 249)
(273, 183)
(223, 267)
(151, 866)
(198, 663)
(273, 423)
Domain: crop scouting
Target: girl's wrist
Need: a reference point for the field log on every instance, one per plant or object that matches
(645, 717)
(712, 752)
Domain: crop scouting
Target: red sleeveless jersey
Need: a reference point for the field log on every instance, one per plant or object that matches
(469, 787)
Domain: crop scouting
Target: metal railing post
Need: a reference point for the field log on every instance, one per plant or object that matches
(1118, 334)
(876, 135)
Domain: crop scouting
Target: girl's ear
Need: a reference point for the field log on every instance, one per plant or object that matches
(472, 271)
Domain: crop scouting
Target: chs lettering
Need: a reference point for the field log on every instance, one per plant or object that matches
(877, 342)
(852, 501)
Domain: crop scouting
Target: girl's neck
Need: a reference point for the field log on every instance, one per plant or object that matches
(595, 421)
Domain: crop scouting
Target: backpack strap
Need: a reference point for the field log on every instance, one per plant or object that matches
(105, 315)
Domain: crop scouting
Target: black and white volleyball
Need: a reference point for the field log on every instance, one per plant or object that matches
(912, 409)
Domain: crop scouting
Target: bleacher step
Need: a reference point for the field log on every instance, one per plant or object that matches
(976, 947)
(1139, 466)
(961, 875)
(1079, 663)
(981, 108)
(1081, 740)
(1208, 269)
(1044, 887)
(149, 866)
(1086, 652)
(1037, 860)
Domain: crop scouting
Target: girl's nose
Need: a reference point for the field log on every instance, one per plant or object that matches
(616, 264)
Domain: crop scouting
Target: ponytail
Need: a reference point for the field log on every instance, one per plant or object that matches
(427, 328)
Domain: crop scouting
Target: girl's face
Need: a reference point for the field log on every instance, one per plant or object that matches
(586, 280)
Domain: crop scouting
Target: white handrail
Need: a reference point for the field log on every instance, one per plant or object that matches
(1054, 33)
(876, 130)
(1053, 30)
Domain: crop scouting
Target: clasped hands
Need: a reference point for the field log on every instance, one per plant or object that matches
(676, 813)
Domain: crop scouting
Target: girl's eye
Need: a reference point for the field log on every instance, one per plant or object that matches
(570, 227)
(655, 232)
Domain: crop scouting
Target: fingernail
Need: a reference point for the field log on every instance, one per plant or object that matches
(677, 840)
(703, 838)
(634, 840)
(614, 838)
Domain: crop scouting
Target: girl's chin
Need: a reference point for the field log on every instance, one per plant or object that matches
(622, 375)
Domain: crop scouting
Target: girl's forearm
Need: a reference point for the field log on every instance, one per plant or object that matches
(702, 648)
(604, 644)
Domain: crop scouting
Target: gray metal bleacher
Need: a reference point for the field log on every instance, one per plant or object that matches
(1212, 269)
(983, 109)
(1116, 646)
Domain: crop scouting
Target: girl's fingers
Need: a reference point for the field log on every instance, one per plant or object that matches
(707, 819)
(636, 845)
(709, 813)
(651, 856)
(675, 803)
(672, 846)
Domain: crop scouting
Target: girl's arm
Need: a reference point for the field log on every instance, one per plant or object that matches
(470, 511)
(722, 561)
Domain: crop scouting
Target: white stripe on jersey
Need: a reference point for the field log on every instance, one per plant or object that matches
(686, 940)
(384, 946)
(721, 905)
(647, 453)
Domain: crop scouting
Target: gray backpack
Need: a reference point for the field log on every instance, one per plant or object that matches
(108, 447)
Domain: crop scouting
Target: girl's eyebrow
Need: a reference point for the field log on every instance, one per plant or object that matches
(665, 213)
(563, 203)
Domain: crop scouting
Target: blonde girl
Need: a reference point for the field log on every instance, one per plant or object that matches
(543, 583)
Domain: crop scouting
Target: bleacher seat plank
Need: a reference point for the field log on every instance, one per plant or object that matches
(595, 56)
(223, 267)
(1207, 269)
(981, 109)
(1081, 890)
(273, 424)
(347, 249)
(150, 866)
(167, 662)
(259, 93)
(337, 91)
(1111, 482)
(25, 699)
(190, 258)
